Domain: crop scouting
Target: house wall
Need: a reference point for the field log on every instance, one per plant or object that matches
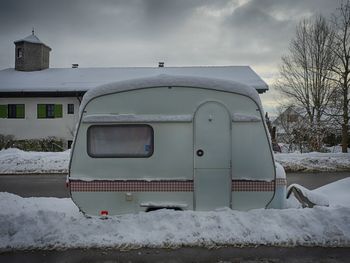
(33, 128)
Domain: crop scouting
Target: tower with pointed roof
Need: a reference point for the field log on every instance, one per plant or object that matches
(31, 54)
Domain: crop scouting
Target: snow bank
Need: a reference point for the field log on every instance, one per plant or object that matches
(312, 162)
(52, 223)
(15, 161)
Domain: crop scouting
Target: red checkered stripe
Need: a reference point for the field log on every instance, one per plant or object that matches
(131, 186)
(252, 186)
(166, 186)
(281, 182)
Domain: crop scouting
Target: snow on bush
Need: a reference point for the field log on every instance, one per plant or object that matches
(52, 223)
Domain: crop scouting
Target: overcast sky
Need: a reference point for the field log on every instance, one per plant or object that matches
(109, 33)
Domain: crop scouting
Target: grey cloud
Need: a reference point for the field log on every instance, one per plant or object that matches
(115, 33)
(87, 17)
(260, 30)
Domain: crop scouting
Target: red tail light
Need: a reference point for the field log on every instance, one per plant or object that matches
(104, 213)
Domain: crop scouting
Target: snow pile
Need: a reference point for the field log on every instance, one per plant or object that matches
(15, 161)
(312, 196)
(314, 161)
(337, 193)
(52, 223)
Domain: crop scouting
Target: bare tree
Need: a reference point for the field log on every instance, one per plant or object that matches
(305, 77)
(292, 128)
(341, 49)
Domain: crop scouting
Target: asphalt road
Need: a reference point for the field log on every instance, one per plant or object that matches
(54, 185)
(228, 254)
(35, 185)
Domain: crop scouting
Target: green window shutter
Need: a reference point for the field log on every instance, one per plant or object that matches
(58, 111)
(20, 111)
(3, 111)
(41, 111)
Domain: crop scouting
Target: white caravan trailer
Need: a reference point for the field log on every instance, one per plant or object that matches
(173, 142)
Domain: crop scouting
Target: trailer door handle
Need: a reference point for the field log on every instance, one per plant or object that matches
(200, 152)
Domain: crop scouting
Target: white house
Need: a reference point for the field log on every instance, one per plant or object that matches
(37, 102)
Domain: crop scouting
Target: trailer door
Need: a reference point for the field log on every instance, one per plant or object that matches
(212, 156)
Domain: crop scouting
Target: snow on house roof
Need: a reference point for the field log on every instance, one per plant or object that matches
(171, 81)
(32, 39)
(83, 79)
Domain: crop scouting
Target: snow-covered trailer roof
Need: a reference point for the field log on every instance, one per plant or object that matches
(70, 80)
(172, 81)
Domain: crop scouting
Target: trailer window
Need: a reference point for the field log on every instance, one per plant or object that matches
(105, 141)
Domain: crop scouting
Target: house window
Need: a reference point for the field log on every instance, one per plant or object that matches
(12, 111)
(70, 109)
(19, 52)
(120, 141)
(49, 111)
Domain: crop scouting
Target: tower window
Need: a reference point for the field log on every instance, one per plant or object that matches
(19, 52)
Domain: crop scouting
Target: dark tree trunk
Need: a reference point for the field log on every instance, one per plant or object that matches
(345, 125)
(344, 138)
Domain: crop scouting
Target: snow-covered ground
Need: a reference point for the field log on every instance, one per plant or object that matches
(52, 223)
(15, 161)
(314, 161)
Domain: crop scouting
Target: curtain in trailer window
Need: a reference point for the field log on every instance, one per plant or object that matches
(120, 141)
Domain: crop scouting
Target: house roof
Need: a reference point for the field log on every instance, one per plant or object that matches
(31, 39)
(82, 79)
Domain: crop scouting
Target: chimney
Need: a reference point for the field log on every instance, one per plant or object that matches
(75, 65)
(160, 64)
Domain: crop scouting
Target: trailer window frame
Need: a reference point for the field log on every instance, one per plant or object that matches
(94, 155)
